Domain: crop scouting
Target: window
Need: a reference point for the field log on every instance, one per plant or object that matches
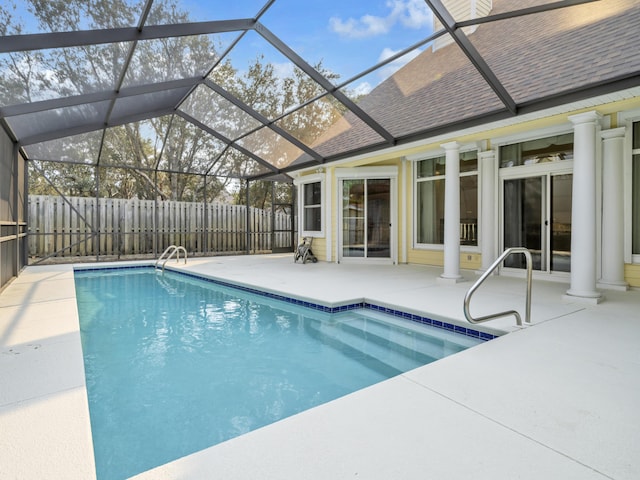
(430, 200)
(541, 150)
(312, 207)
(635, 196)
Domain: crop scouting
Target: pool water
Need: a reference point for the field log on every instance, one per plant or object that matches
(175, 364)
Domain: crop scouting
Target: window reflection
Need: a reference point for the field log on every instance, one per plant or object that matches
(430, 200)
(542, 150)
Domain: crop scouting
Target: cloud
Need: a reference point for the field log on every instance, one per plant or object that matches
(361, 89)
(406, 58)
(392, 67)
(416, 14)
(367, 26)
(410, 13)
(283, 70)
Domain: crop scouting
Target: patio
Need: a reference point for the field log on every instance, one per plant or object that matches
(557, 399)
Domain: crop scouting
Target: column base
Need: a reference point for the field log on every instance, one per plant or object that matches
(593, 298)
(450, 280)
(619, 286)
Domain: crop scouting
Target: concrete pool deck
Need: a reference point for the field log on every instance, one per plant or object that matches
(558, 399)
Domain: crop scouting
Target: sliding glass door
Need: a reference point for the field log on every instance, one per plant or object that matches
(537, 215)
(366, 218)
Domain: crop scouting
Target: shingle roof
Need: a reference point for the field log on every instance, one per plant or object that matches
(537, 58)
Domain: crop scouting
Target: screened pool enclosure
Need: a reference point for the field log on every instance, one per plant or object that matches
(129, 125)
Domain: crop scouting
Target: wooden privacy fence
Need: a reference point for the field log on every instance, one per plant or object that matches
(133, 227)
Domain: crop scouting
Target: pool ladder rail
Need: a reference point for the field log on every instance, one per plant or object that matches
(170, 251)
(485, 275)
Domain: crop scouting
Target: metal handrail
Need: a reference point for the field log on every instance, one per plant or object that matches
(494, 265)
(171, 250)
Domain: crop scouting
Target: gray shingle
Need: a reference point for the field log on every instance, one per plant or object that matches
(534, 57)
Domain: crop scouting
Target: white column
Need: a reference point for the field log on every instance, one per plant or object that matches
(488, 221)
(452, 213)
(612, 210)
(406, 171)
(328, 208)
(583, 209)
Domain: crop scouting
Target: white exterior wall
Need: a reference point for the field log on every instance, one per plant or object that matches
(461, 10)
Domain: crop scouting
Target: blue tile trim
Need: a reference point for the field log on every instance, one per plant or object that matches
(316, 306)
(107, 269)
(429, 321)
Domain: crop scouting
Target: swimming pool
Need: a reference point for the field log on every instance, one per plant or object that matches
(175, 364)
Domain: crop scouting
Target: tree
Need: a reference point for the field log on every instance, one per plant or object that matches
(52, 178)
(166, 156)
(260, 195)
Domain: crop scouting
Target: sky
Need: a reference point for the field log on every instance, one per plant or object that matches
(348, 36)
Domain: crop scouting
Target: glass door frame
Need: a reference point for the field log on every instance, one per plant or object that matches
(534, 171)
(368, 173)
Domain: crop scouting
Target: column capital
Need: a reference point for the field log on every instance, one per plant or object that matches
(586, 117)
(487, 155)
(451, 145)
(613, 133)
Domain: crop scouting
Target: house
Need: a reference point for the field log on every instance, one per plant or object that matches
(559, 179)
(514, 126)
(520, 131)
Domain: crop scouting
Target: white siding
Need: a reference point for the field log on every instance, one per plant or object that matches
(461, 10)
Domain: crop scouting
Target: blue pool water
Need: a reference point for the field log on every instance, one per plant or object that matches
(175, 364)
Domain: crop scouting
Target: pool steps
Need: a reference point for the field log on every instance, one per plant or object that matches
(384, 346)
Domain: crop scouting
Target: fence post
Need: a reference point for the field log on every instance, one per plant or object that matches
(98, 223)
(205, 225)
(248, 236)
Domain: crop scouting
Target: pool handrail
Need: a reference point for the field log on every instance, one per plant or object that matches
(489, 271)
(170, 251)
